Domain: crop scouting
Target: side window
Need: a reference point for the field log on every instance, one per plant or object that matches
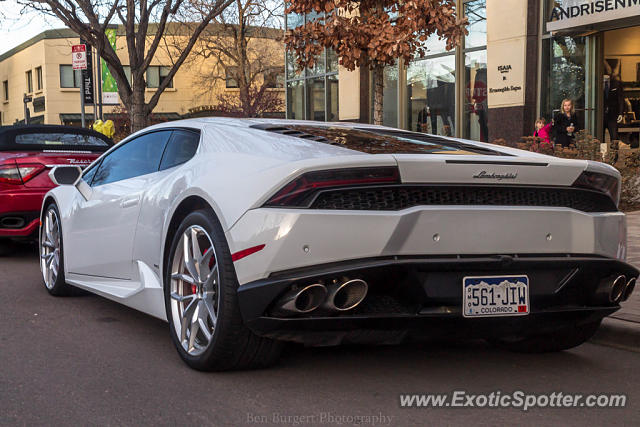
(88, 174)
(137, 157)
(181, 148)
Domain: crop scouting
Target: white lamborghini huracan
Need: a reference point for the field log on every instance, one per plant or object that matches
(243, 234)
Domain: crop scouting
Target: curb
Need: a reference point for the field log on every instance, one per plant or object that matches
(618, 333)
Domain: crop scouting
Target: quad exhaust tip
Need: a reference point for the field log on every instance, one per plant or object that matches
(346, 295)
(301, 300)
(628, 290)
(618, 289)
(339, 296)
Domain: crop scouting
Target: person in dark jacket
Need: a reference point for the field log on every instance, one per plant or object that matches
(565, 124)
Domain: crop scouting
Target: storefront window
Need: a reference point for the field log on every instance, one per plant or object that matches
(319, 67)
(565, 59)
(431, 97)
(476, 12)
(621, 86)
(292, 67)
(389, 97)
(312, 94)
(332, 98)
(315, 96)
(295, 100)
(332, 61)
(475, 111)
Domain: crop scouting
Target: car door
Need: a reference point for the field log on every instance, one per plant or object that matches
(102, 228)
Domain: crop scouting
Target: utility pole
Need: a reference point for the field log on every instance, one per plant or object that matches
(99, 81)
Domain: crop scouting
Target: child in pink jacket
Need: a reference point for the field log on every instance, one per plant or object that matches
(543, 131)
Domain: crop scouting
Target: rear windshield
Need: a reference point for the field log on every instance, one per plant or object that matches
(52, 140)
(378, 141)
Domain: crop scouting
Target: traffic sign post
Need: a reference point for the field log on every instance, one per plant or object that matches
(79, 62)
(79, 56)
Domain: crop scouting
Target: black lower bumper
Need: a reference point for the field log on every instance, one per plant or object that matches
(416, 295)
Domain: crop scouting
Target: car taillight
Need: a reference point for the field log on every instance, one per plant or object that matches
(19, 174)
(300, 191)
(607, 184)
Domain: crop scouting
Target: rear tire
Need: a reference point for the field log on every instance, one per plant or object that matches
(562, 339)
(52, 253)
(201, 301)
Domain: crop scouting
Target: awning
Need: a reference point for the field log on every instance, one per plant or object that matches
(75, 117)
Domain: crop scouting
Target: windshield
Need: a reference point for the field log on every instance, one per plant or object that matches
(56, 139)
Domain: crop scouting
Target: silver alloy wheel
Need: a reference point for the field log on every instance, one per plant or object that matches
(194, 290)
(50, 248)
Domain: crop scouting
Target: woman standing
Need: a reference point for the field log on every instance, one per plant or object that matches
(565, 124)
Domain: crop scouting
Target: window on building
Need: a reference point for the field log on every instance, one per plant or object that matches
(156, 76)
(29, 81)
(475, 111)
(5, 90)
(230, 77)
(295, 100)
(315, 98)
(563, 61)
(389, 97)
(69, 78)
(431, 100)
(274, 78)
(312, 94)
(38, 78)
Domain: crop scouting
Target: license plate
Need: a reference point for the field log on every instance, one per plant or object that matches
(484, 296)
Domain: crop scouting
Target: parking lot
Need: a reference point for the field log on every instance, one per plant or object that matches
(86, 360)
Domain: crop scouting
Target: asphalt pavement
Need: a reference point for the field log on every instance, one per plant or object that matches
(85, 360)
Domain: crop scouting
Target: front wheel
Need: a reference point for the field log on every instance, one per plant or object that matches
(52, 253)
(201, 301)
(559, 340)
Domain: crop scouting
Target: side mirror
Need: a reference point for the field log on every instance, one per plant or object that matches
(70, 175)
(65, 175)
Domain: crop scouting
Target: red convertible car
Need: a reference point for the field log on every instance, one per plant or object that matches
(27, 153)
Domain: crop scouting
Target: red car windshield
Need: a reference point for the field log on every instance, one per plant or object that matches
(50, 140)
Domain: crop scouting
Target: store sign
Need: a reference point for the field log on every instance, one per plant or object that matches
(576, 13)
(506, 73)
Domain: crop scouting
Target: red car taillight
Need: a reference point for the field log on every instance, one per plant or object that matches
(299, 192)
(19, 174)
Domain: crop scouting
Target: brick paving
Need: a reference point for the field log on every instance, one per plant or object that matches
(631, 308)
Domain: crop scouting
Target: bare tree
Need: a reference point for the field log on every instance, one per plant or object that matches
(145, 24)
(245, 44)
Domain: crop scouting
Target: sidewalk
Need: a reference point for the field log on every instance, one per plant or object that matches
(622, 328)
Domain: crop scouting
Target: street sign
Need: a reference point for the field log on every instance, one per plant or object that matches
(79, 56)
(87, 75)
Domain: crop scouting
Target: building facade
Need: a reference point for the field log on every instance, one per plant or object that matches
(41, 69)
(520, 59)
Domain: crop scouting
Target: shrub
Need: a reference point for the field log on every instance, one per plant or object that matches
(589, 148)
